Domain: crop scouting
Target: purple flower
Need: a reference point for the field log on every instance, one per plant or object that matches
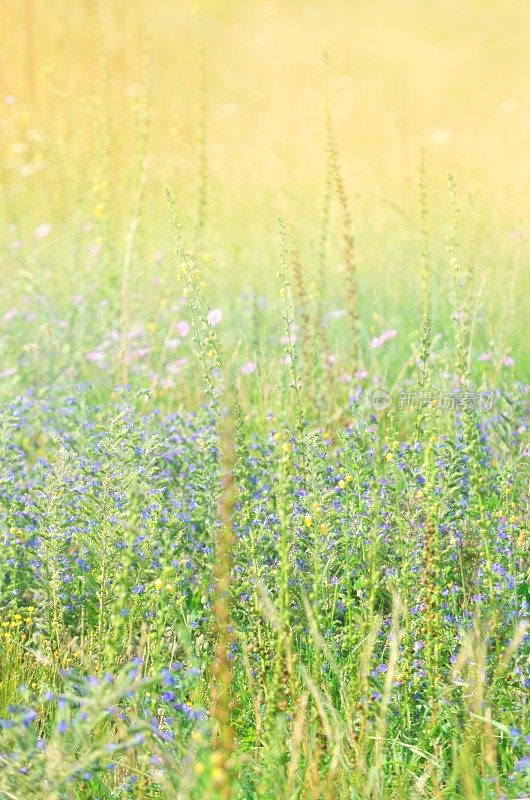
(96, 357)
(215, 316)
(183, 328)
(377, 341)
(175, 366)
(248, 368)
(9, 315)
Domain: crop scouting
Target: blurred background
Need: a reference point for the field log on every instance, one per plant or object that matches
(229, 95)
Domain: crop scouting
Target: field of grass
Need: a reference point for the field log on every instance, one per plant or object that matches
(264, 374)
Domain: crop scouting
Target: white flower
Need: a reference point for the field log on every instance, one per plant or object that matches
(43, 230)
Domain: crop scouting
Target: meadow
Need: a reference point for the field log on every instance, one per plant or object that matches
(263, 400)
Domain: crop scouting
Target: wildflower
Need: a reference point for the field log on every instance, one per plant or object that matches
(214, 317)
(9, 315)
(308, 520)
(248, 368)
(135, 331)
(484, 357)
(377, 341)
(508, 361)
(140, 352)
(42, 231)
(96, 357)
(176, 366)
(183, 328)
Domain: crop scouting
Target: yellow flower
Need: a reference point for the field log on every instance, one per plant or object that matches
(389, 456)
(341, 484)
(218, 775)
(158, 584)
(349, 478)
(170, 589)
(308, 520)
